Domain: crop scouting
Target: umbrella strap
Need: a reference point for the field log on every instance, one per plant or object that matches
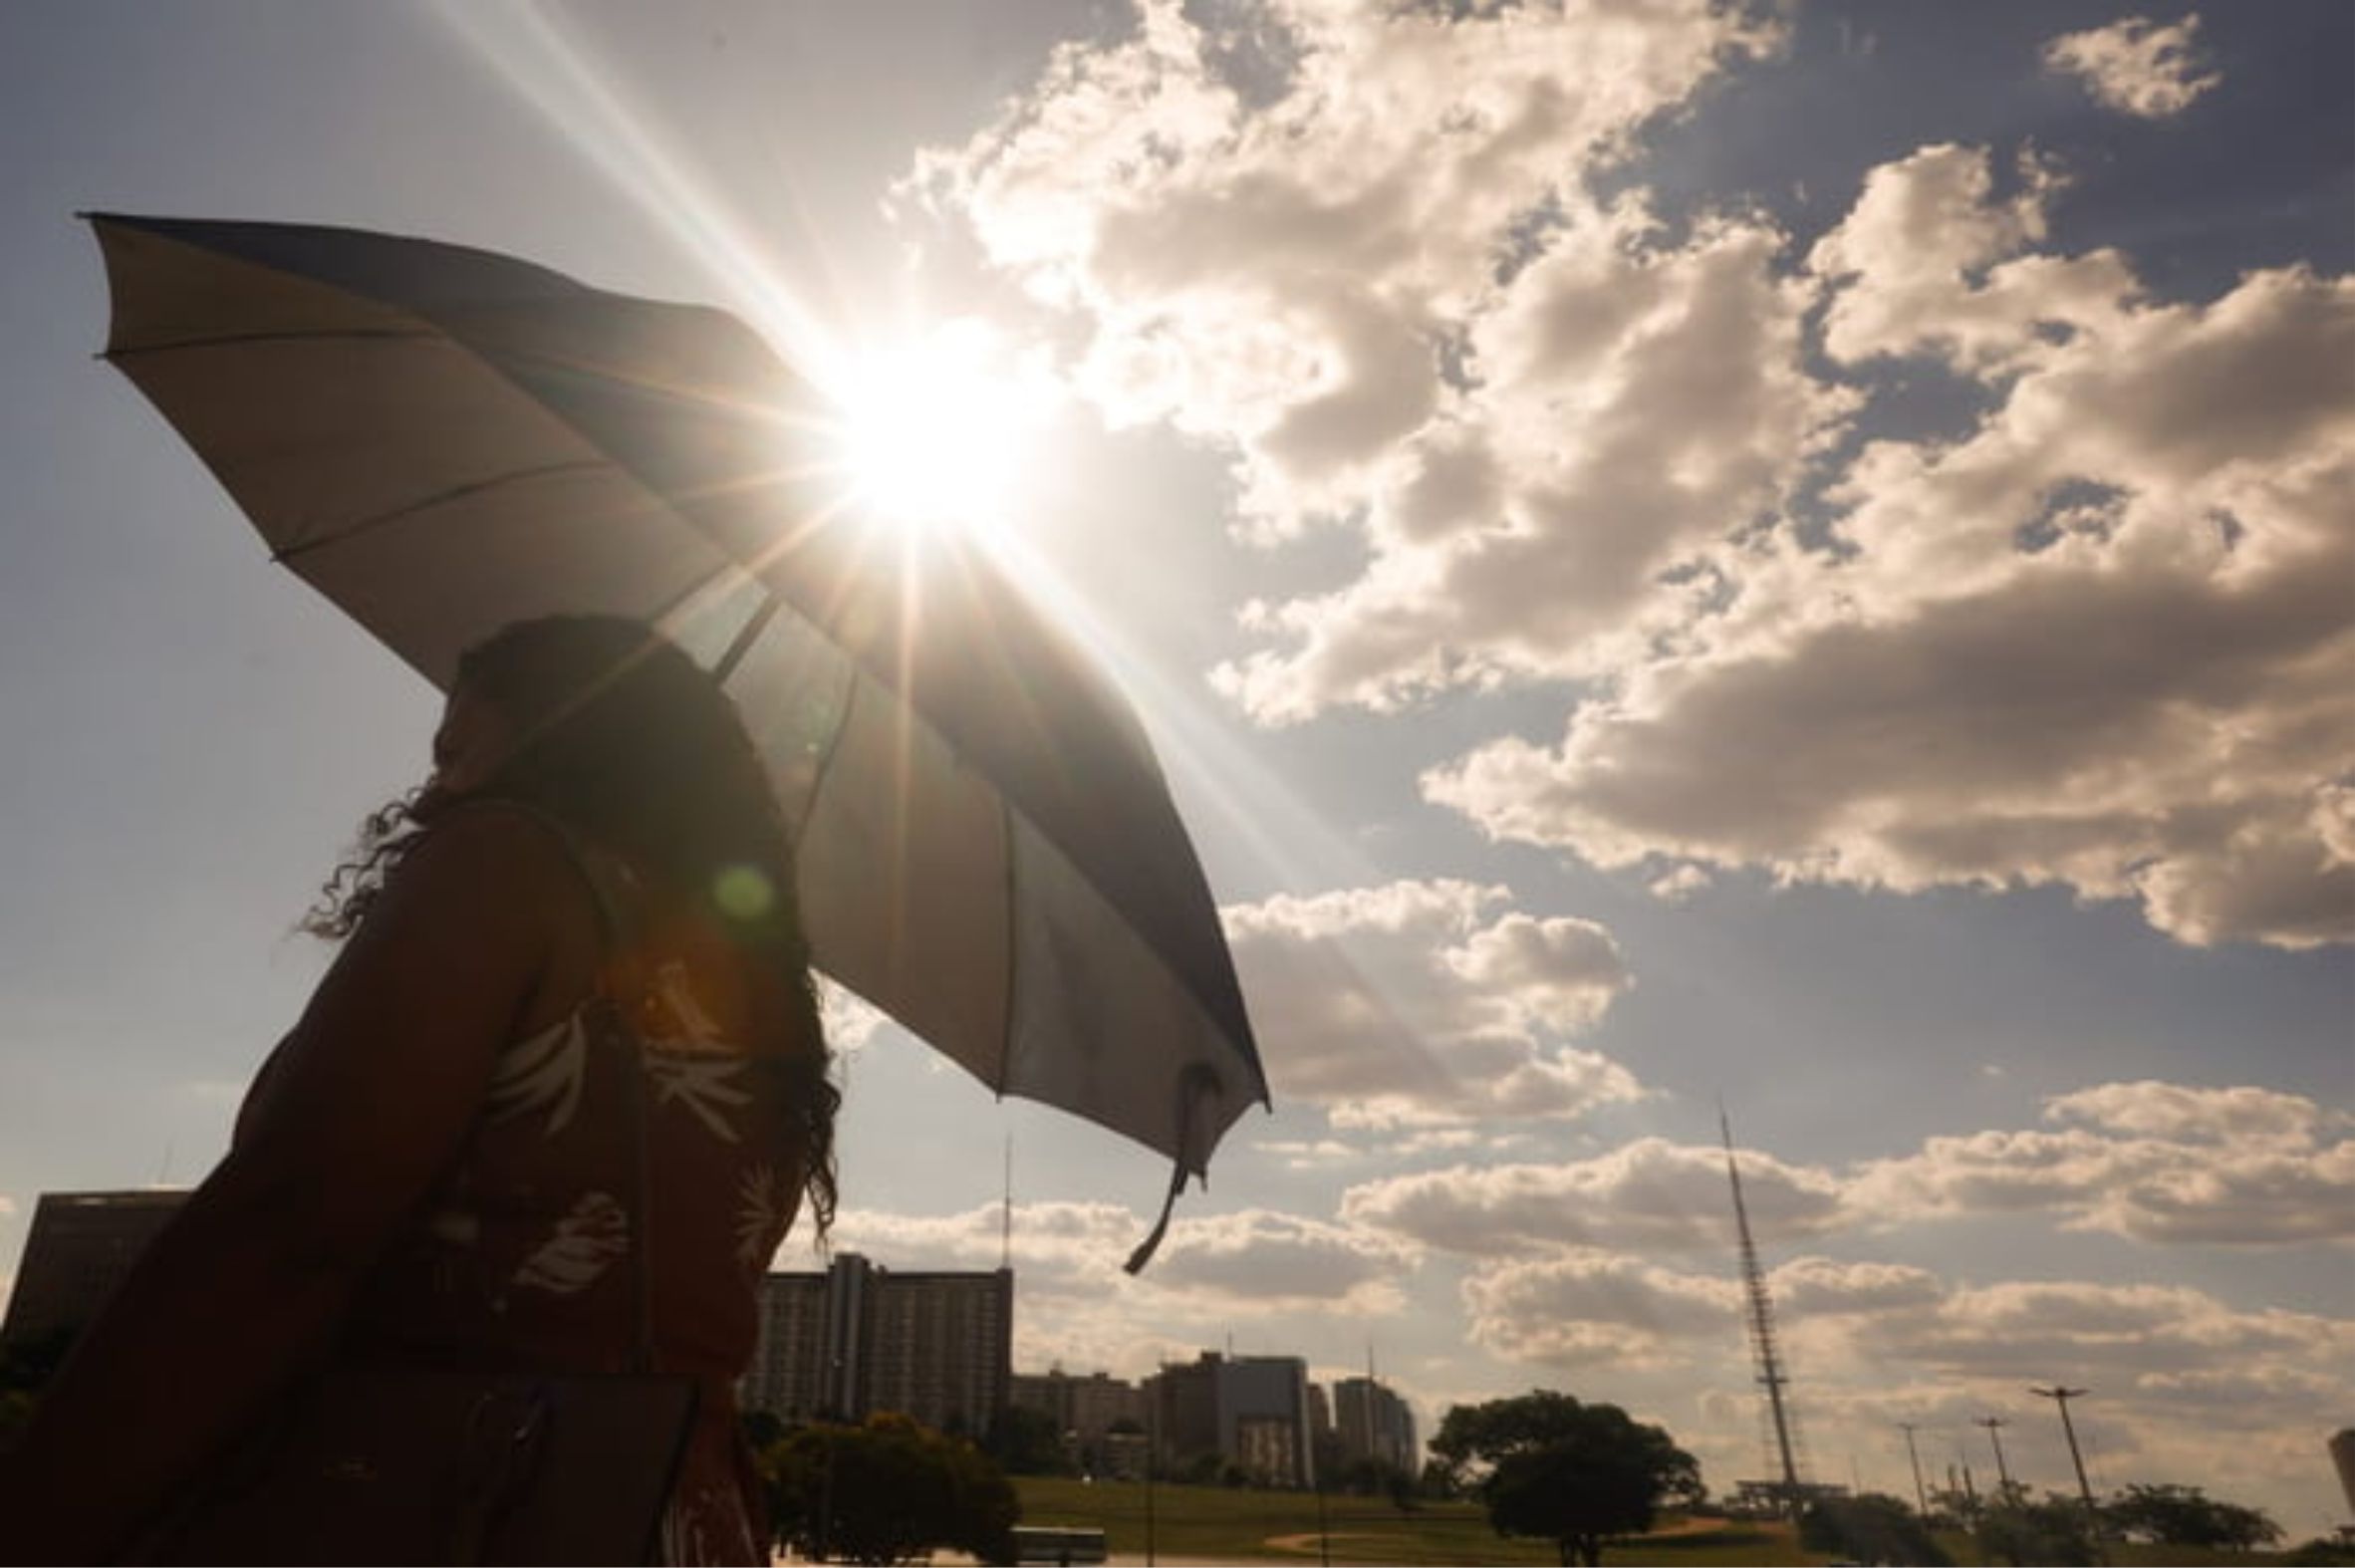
(1195, 1085)
(1152, 1243)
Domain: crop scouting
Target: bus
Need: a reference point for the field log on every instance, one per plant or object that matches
(1058, 1543)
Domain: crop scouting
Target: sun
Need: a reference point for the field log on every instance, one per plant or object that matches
(942, 430)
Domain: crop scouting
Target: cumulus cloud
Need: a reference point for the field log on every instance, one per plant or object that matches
(850, 1020)
(1379, 283)
(1255, 1263)
(2186, 1113)
(2136, 66)
(2099, 642)
(1308, 1154)
(1424, 1004)
(2155, 1163)
(1646, 1196)
(1822, 1287)
(2094, 639)
(1582, 1308)
(1876, 1344)
(2163, 1341)
(2159, 1162)
(2167, 1353)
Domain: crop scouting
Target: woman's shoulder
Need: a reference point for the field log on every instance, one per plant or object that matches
(498, 849)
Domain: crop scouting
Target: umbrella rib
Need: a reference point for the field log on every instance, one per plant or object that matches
(240, 339)
(824, 765)
(742, 643)
(428, 503)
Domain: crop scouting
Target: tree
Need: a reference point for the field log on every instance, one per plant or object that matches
(2187, 1516)
(887, 1491)
(1203, 1470)
(1551, 1467)
(1027, 1442)
(2017, 1530)
(1438, 1481)
(1872, 1528)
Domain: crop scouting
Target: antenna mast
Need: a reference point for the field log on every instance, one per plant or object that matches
(1763, 1348)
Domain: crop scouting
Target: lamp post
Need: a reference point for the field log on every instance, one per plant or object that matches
(2093, 1515)
(1994, 1426)
(1152, 1449)
(1921, 1494)
(1324, 1537)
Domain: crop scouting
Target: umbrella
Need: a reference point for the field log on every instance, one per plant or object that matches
(443, 440)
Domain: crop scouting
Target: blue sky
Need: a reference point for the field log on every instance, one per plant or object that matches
(1798, 555)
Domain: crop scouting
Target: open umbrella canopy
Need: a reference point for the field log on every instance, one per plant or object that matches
(443, 440)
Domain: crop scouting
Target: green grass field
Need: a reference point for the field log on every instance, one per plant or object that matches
(1243, 1526)
(1218, 1525)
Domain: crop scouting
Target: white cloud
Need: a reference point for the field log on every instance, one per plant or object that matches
(1584, 1308)
(2185, 1385)
(1820, 1287)
(1255, 1261)
(1648, 1195)
(1308, 1155)
(2155, 1163)
(1633, 399)
(1264, 1258)
(850, 1020)
(2186, 1113)
(1426, 1004)
(2136, 66)
(2162, 1341)
(2159, 1162)
(2094, 641)
(1381, 286)
(2100, 641)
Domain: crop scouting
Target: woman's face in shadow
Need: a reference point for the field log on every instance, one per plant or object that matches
(473, 742)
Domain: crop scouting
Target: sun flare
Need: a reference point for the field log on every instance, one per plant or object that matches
(942, 430)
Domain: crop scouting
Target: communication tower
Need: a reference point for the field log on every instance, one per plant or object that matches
(1763, 1350)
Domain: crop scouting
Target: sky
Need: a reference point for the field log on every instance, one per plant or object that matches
(1799, 558)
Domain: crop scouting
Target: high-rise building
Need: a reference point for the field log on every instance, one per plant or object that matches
(1372, 1422)
(1251, 1410)
(79, 1247)
(1086, 1407)
(860, 1338)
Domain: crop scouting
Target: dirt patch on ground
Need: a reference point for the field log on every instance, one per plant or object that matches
(1307, 1540)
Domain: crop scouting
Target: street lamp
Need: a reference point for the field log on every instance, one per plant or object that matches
(1921, 1494)
(2061, 1397)
(1994, 1426)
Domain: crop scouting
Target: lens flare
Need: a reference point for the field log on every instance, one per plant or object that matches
(743, 893)
(940, 430)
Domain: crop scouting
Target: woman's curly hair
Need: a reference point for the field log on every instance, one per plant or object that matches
(630, 743)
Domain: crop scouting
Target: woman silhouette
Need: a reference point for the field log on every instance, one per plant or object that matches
(438, 1167)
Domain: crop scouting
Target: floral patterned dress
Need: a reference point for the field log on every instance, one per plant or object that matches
(525, 1253)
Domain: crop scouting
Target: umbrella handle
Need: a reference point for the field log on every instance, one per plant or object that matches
(1193, 1085)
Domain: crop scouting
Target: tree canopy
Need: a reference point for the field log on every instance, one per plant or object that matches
(1549, 1466)
(1027, 1442)
(1871, 1529)
(887, 1491)
(2188, 1516)
(2019, 1530)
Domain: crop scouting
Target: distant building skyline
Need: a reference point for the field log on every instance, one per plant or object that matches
(1252, 1410)
(79, 1249)
(934, 1345)
(1087, 1405)
(1370, 1421)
